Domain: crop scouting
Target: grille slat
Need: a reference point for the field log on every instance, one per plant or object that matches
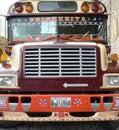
(60, 62)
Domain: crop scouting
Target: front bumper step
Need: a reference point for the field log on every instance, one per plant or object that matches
(63, 116)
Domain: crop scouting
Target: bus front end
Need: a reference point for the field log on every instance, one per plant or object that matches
(59, 60)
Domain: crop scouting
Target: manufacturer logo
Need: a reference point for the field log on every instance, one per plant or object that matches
(66, 85)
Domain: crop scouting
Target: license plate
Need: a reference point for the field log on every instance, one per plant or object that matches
(60, 102)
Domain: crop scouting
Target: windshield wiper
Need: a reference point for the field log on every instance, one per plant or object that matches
(29, 35)
(86, 34)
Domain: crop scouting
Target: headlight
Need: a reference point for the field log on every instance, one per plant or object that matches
(111, 80)
(8, 81)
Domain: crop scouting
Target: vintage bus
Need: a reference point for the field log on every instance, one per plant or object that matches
(58, 63)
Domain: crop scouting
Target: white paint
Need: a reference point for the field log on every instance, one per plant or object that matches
(4, 5)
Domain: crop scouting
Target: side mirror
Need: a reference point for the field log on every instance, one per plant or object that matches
(114, 27)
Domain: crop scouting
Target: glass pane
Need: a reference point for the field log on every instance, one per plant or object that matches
(82, 28)
(33, 28)
(58, 6)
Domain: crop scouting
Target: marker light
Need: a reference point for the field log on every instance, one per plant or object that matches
(19, 8)
(29, 8)
(114, 57)
(95, 8)
(85, 7)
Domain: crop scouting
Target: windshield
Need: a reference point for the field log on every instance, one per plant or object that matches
(57, 28)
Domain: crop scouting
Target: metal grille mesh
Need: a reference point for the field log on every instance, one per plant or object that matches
(60, 62)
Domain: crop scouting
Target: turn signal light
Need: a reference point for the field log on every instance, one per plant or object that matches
(19, 8)
(85, 7)
(114, 58)
(95, 8)
(4, 57)
(29, 8)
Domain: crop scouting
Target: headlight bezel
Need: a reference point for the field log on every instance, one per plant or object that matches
(111, 81)
(8, 81)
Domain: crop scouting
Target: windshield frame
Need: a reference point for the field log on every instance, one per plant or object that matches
(57, 35)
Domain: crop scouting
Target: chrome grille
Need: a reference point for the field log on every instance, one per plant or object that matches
(60, 62)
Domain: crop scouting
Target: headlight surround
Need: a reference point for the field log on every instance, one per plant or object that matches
(8, 81)
(111, 80)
